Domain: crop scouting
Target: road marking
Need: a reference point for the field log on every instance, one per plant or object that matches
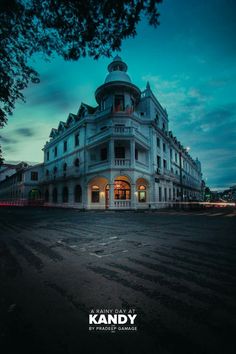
(216, 214)
(230, 215)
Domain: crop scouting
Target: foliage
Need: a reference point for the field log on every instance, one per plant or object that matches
(69, 28)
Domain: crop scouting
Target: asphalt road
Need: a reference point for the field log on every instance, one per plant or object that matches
(177, 269)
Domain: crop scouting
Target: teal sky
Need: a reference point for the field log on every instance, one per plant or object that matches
(189, 61)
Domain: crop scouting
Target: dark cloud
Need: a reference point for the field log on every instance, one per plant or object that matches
(6, 140)
(25, 132)
(55, 96)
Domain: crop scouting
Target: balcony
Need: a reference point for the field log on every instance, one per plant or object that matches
(121, 163)
(125, 132)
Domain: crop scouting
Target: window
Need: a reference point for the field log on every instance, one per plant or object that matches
(55, 151)
(122, 190)
(34, 176)
(171, 154)
(55, 170)
(103, 128)
(65, 146)
(47, 155)
(163, 126)
(65, 167)
(119, 152)
(158, 161)
(76, 162)
(176, 158)
(78, 194)
(47, 173)
(77, 139)
(136, 154)
(95, 194)
(164, 164)
(169, 193)
(65, 195)
(119, 103)
(103, 154)
(142, 194)
(164, 147)
(158, 142)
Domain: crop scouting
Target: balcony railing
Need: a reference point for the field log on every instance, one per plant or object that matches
(122, 204)
(121, 162)
(118, 131)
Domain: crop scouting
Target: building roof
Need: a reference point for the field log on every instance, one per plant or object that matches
(117, 76)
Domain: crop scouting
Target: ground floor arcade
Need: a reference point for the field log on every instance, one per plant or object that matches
(112, 192)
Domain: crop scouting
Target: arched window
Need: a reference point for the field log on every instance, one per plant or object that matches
(95, 194)
(55, 170)
(65, 195)
(46, 196)
(78, 194)
(76, 162)
(54, 195)
(65, 167)
(122, 190)
(142, 197)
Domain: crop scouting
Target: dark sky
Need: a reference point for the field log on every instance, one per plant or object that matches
(189, 61)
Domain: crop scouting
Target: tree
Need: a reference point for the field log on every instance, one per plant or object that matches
(1, 158)
(68, 28)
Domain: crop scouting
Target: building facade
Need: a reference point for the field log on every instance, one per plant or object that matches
(119, 154)
(21, 184)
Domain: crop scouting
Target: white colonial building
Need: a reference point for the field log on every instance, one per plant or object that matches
(119, 154)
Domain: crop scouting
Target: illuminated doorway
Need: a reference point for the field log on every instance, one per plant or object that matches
(122, 190)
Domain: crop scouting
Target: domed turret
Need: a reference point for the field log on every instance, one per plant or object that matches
(117, 82)
(117, 71)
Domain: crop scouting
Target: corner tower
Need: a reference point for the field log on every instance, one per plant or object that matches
(118, 92)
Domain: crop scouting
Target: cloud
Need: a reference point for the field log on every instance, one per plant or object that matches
(200, 121)
(6, 140)
(25, 132)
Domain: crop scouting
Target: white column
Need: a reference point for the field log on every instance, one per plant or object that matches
(111, 151)
(132, 152)
(111, 196)
(133, 196)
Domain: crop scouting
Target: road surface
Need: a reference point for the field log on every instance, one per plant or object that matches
(175, 268)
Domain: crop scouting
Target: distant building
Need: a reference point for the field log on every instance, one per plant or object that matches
(7, 169)
(119, 154)
(22, 185)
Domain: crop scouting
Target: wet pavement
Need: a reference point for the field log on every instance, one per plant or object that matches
(176, 268)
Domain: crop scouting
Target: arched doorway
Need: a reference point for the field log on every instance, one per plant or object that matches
(122, 190)
(97, 192)
(142, 190)
(46, 196)
(78, 194)
(54, 195)
(142, 194)
(34, 194)
(65, 195)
